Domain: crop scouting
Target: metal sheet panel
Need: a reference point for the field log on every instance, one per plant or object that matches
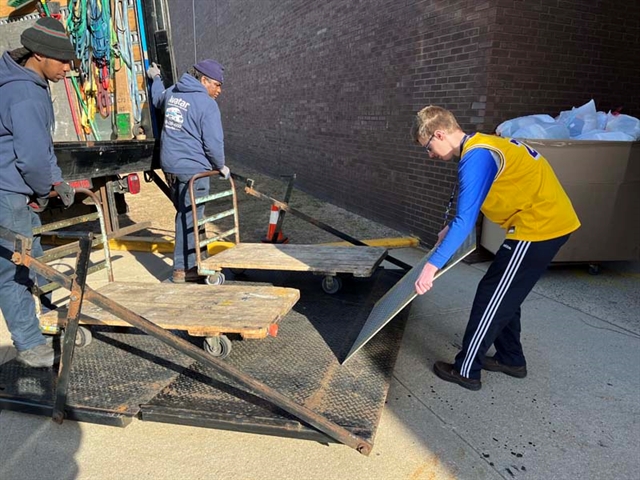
(114, 374)
(402, 294)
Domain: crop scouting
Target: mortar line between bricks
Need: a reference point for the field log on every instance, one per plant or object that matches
(453, 430)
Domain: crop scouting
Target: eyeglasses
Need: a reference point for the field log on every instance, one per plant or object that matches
(427, 147)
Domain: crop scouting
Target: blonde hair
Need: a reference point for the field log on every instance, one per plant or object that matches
(430, 119)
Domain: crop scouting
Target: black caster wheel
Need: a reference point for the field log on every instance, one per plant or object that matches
(219, 346)
(331, 284)
(215, 279)
(594, 269)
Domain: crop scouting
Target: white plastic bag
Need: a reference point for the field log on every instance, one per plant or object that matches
(581, 123)
(625, 124)
(507, 128)
(541, 131)
(580, 120)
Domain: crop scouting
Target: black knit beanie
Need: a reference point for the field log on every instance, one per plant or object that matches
(48, 37)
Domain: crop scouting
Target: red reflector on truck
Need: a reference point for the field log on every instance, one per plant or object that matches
(85, 183)
(133, 182)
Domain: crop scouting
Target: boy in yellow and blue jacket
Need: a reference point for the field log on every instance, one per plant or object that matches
(514, 186)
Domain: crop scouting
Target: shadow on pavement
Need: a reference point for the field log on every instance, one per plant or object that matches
(33, 447)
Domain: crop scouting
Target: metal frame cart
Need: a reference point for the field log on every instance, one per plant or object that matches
(328, 261)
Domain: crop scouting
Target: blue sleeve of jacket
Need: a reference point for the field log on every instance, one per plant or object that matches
(33, 146)
(157, 92)
(476, 173)
(56, 173)
(212, 136)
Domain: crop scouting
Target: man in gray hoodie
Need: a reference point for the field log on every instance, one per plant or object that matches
(192, 142)
(28, 171)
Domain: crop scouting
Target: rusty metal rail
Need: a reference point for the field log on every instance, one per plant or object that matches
(62, 251)
(80, 292)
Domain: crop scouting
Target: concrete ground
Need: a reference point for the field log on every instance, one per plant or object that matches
(574, 417)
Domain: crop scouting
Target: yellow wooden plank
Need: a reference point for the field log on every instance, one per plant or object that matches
(391, 242)
(133, 19)
(6, 10)
(202, 310)
(159, 245)
(142, 244)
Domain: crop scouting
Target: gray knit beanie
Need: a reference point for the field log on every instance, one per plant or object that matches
(48, 37)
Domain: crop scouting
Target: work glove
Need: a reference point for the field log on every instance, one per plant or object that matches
(65, 192)
(153, 71)
(225, 172)
(39, 204)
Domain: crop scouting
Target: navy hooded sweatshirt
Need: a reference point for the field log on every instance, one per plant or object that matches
(27, 162)
(192, 140)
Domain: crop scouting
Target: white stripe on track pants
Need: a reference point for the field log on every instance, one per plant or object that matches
(495, 314)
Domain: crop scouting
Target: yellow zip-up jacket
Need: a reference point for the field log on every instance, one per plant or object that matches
(525, 198)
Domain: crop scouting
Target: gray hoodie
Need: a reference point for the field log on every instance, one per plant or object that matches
(27, 162)
(192, 140)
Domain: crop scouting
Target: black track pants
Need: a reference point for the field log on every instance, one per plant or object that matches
(495, 314)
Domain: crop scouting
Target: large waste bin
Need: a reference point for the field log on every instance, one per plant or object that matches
(603, 181)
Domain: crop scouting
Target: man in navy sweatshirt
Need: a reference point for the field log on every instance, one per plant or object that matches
(28, 171)
(192, 142)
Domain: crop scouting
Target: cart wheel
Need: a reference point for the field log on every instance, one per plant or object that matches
(219, 346)
(594, 269)
(83, 337)
(215, 279)
(331, 284)
(237, 271)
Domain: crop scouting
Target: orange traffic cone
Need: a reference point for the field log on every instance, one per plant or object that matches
(272, 236)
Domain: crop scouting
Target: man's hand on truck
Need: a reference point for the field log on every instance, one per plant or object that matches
(153, 71)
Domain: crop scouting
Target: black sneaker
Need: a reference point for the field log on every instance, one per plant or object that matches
(447, 372)
(493, 365)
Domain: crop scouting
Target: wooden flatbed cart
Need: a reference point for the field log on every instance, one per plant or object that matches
(249, 311)
(328, 261)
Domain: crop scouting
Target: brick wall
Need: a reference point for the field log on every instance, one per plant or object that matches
(328, 89)
(550, 55)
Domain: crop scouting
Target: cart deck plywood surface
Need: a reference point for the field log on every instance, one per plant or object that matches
(323, 259)
(201, 310)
